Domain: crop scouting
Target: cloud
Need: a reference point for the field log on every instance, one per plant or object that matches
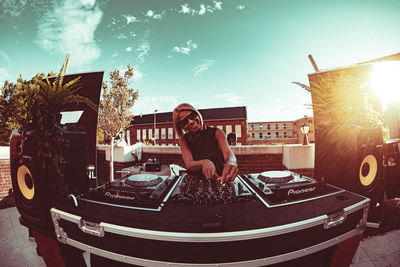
(137, 73)
(143, 50)
(218, 5)
(202, 67)
(150, 13)
(240, 7)
(121, 36)
(12, 8)
(130, 19)
(186, 9)
(69, 28)
(4, 75)
(190, 46)
(5, 56)
(229, 97)
(147, 104)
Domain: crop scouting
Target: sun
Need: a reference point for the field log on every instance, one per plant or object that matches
(385, 81)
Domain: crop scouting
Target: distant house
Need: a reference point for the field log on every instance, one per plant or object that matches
(273, 132)
(157, 128)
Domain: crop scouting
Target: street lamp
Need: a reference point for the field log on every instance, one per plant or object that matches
(304, 128)
(154, 132)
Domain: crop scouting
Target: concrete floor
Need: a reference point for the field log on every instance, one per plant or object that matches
(17, 250)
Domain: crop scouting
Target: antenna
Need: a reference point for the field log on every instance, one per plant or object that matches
(64, 67)
(313, 62)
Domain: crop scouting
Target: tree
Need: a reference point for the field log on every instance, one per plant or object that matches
(115, 108)
(14, 104)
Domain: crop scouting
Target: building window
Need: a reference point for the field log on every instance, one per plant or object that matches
(220, 127)
(252, 135)
(238, 130)
(284, 134)
(252, 127)
(260, 135)
(228, 129)
(276, 126)
(276, 134)
(144, 134)
(170, 133)
(268, 126)
(157, 133)
(162, 133)
(151, 134)
(284, 126)
(138, 134)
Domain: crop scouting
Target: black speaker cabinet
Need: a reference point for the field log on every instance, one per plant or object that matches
(32, 184)
(392, 162)
(351, 157)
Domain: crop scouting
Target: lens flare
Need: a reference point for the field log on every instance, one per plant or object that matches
(385, 81)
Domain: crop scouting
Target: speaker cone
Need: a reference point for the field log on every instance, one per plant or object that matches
(368, 170)
(25, 181)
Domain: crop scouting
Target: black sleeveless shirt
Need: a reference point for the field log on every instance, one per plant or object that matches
(204, 145)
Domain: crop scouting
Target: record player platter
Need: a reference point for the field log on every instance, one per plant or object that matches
(143, 180)
(275, 177)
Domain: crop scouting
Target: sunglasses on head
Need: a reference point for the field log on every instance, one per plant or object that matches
(185, 121)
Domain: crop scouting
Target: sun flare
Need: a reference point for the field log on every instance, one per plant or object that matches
(385, 81)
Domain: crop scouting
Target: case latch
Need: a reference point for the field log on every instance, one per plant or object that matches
(335, 219)
(91, 228)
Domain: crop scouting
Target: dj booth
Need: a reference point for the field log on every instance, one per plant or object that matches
(185, 220)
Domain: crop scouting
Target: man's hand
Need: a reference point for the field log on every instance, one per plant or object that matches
(208, 169)
(229, 173)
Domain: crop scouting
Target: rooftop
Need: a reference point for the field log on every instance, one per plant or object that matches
(208, 115)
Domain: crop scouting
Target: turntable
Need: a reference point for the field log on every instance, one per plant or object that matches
(138, 191)
(280, 187)
(143, 180)
(273, 177)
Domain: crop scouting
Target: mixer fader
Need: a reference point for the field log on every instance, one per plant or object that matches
(198, 190)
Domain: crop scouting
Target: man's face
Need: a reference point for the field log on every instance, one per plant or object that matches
(189, 121)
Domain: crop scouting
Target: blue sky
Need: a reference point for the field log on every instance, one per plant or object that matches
(208, 53)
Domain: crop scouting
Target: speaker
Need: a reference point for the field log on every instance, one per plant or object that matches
(392, 165)
(351, 157)
(32, 184)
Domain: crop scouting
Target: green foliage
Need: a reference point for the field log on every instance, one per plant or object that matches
(117, 100)
(15, 105)
(36, 107)
(115, 108)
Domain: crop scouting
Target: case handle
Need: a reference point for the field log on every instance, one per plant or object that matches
(335, 219)
(91, 228)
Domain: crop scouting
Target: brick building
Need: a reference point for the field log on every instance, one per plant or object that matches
(158, 127)
(283, 132)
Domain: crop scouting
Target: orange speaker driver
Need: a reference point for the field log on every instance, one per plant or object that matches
(368, 170)
(25, 182)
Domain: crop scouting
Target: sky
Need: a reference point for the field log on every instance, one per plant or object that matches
(217, 53)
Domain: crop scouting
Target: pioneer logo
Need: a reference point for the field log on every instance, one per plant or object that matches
(300, 191)
(108, 194)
